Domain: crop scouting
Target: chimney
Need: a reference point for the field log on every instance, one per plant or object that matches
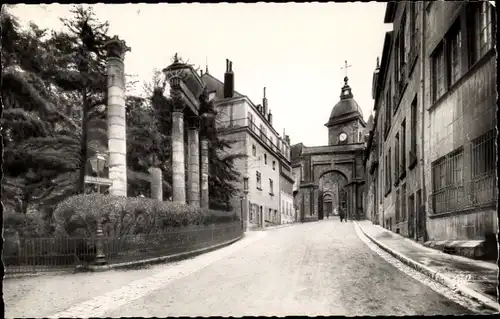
(201, 72)
(228, 80)
(264, 103)
(287, 139)
(270, 118)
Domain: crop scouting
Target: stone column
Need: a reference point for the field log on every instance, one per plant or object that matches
(117, 143)
(178, 169)
(204, 173)
(156, 183)
(194, 161)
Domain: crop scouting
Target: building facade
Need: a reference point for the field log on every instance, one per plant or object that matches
(331, 175)
(430, 158)
(249, 129)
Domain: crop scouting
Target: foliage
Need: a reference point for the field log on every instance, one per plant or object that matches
(39, 139)
(223, 174)
(147, 143)
(80, 71)
(77, 215)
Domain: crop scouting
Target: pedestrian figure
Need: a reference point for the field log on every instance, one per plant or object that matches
(327, 214)
(341, 214)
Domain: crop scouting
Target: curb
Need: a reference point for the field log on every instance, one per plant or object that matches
(275, 227)
(157, 260)
(442, 279)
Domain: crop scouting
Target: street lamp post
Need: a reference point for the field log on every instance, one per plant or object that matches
(98, 162)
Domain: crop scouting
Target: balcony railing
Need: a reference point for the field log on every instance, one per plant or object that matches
(244, 122)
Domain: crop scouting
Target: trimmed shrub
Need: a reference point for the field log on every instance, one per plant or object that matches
(77, 216)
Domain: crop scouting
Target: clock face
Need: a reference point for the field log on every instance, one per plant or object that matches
(343, 137)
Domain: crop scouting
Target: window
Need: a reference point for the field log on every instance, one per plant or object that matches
(413, 29)
(259, 181)
(447, 176)
(265, 159)
(397, 208)
(271, 191)
(388, 112)
(262, 132)
(481, 30)
(388, 179)
(254, 150)
(396, 159)
(402, 48)
(483, 184)
(403, 148)
(483, 155)
(274, 165)
(396, 60)
(438, 71)
(455, 56)
(403, 202)
(389, 168)
(413, 132)
(411, 213)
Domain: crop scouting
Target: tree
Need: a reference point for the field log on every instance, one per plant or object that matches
(38, 138)
(81, 74)
(147, 146)
(222, 172)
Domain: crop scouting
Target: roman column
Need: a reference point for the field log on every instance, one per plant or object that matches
(178, 169)
(194, 161)
(117, 144)
(156, 183)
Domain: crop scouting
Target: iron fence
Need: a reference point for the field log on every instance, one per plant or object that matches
(56, 254)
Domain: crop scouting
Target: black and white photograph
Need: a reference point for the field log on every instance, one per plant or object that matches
(249, 159)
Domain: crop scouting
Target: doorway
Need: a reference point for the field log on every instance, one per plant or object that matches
(411, 216)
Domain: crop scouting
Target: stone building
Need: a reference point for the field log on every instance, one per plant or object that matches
(267, 180)
(330, 176)
(430, 157)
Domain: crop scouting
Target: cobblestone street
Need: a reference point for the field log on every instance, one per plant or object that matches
(323, 268)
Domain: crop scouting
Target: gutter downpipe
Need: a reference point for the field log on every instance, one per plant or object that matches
(422, 128)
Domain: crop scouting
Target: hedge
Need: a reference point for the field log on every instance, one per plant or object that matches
(77, 215)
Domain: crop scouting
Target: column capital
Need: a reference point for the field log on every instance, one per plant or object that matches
(116, 48)
(177, 103)
(194, 122)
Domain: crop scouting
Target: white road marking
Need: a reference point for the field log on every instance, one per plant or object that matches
(100, 305)
(422, 278)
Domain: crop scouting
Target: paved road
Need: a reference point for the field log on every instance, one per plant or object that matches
(321, 268)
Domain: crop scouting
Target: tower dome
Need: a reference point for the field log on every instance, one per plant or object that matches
(347, 107)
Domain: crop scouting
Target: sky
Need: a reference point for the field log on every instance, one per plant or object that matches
(295, 50)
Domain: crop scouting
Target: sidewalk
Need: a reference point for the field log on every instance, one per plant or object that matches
(272, 227)
(474, 278)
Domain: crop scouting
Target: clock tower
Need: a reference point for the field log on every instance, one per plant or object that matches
(346, 124)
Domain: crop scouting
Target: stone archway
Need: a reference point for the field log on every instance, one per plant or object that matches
(332, 193)
(328, 202)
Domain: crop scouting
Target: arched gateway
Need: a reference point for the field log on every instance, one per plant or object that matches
(332, 193)
(331, 175)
